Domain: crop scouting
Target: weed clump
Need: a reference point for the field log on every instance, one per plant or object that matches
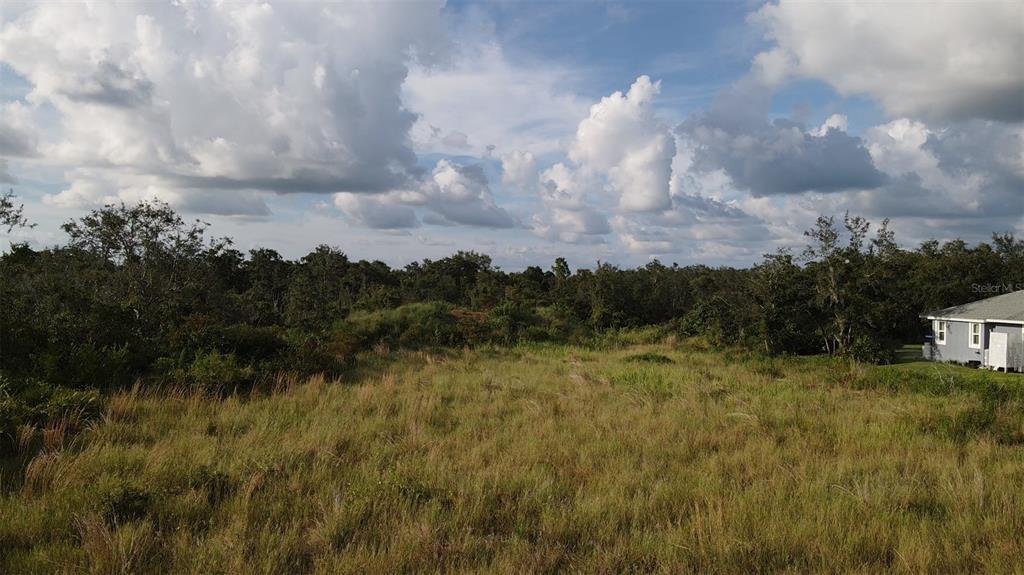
(649, 358)
(646, 383)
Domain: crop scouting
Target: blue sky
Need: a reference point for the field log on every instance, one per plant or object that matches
(691, 132)
(694, 48)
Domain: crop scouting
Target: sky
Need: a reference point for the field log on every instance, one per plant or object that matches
(689, 132)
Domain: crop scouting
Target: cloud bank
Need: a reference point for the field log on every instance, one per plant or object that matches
(396, 114)
(214, 98)
(935, 61)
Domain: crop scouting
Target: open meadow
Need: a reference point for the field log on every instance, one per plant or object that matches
(639, 458)
(512, 287)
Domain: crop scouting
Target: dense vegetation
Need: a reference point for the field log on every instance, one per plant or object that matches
(137, 292)
(539, 458)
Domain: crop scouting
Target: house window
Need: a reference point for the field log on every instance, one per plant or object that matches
(975, 341)
(940, 332)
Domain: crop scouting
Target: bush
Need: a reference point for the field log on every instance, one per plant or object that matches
(714, 320)
(83, 403)
(85, 366)
(871, 350)
(306, 355)
(249, 342)
(37, 402)
(197, 333)
(512, 322)
(410, 326)
(212, 369)
(558, 323)
(439, 324)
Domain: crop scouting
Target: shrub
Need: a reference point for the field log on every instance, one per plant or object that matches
(871, 350)
(511, 322)
(86, 366)
(713, 319)
(249, 342)
(212, 369)
(83, 403)
(558, 323)
(307, 355)
(37, 402)
(410, 326)
(197, 333)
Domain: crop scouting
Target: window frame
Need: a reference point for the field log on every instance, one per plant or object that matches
(941, 330)
(971, 334)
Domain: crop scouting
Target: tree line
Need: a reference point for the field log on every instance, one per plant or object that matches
(138, 292)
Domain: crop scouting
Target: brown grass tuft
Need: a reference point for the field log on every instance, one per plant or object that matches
(114, 549)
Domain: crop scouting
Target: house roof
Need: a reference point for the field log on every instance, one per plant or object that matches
(1007, 307)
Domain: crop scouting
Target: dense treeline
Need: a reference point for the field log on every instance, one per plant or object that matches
(139, 292)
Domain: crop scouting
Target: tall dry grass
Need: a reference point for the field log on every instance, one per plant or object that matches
(654, 458)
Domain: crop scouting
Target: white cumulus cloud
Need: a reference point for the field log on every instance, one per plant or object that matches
(227, 96)
(462, 195)
(624, 138)
(931, 60)
(519, 170)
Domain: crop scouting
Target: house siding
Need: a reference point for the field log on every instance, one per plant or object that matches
(957, 347)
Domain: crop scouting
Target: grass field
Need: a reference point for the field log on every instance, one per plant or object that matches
(646, 458)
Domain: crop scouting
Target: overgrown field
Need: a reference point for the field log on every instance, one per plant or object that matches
(650, 458)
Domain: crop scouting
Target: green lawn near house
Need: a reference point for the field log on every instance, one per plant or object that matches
(910, 360)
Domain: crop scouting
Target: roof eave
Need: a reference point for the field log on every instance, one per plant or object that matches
(974, 320)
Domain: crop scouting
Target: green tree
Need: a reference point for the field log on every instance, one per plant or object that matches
(318, 295)
(268, 276)
(11, 215)
(784, 294)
